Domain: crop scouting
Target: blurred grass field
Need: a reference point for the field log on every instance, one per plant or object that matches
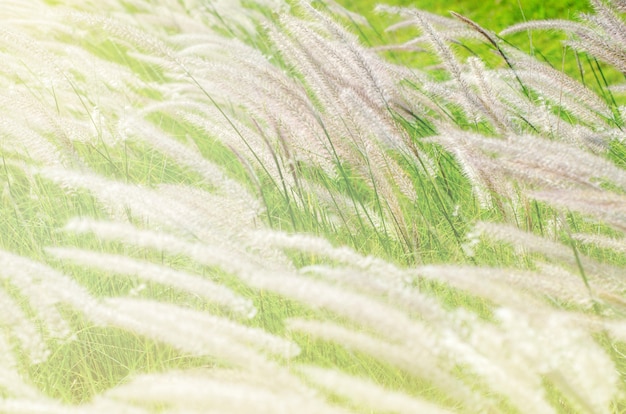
(495, 16)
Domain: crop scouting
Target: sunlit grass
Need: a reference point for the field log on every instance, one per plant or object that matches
(364, 234)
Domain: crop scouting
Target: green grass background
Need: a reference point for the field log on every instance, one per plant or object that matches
(494, 15)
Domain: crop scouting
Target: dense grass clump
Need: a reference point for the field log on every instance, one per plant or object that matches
(277, 206)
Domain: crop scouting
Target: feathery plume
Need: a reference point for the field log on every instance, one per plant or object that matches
(420, 363)
(187, 330)
(366, 393)
(201, 392)
(193, 284)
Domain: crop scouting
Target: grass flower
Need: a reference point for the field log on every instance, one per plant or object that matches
(272, 206)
